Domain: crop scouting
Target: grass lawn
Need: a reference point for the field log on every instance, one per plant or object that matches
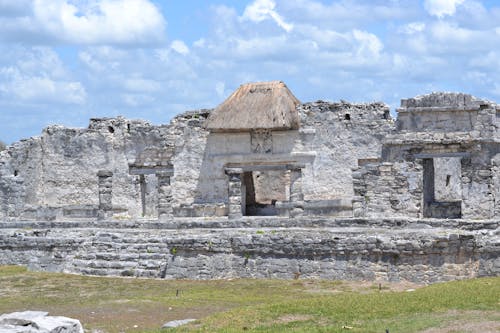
(245, 305)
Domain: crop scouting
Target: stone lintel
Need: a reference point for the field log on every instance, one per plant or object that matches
(233, 171)
(149, 170)
(437, 155)
(104, 173)
(164, 173)
(264, 167)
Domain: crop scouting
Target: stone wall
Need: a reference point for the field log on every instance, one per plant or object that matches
(477, 190)
(55, 174)
(416, 250)
(455, 137)
(343, 134)
(388, 189)
(441, 112)
(448, 178)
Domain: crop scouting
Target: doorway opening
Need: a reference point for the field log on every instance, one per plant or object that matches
(442, 188)
(262, 189)
(148, 184)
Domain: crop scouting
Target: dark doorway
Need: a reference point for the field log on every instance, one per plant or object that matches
(438, 200)
(148, 193)
(262, 189)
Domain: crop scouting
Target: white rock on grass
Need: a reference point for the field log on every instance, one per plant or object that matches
(38, 322)
(176, 323)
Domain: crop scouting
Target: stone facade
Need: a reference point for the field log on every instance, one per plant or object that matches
(54, 176)
(320, 168)
(439, 159)
(442, 160)
(422, 251)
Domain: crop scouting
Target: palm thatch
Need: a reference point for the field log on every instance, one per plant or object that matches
(262, 105)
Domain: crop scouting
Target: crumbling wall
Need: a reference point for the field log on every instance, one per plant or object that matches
(55, 175)
(390, 250)
(448, 179)
(441, 112)
(20, 176)
(496, 182)
(478, 190)
(344, 133)
(388, 189)
(189, 138)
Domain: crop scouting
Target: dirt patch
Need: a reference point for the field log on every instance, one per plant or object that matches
(333, 287)
(467, 327)
(468, 322)
(292, 318)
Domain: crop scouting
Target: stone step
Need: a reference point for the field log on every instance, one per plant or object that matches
(115, 272)
(125, 245)
(120, 256)
(117, 265)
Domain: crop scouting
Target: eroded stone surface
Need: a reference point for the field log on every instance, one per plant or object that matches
(422, 251)
(37, 322)
(84, 190)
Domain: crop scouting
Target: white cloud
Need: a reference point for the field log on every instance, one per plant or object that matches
(137, 22)
(369, 44)
(412, 28)
(325, 38)
(40, 88)
(342, 15)
(38, 76)
(441, 8)
(261, 10)
(355, 50)
(180, 47)
(90, 62)
(445, 31)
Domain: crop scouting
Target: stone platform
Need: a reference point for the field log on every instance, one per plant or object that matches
(416, 250)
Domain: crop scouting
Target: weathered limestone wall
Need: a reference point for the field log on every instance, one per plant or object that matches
(55, 174)
(328, 131)
(366, 250)
(455, 137)
(478, 196)
(441, 112)
(388, 189)
(344, 134)
(496, 182)
(448, 178)
(271, 185)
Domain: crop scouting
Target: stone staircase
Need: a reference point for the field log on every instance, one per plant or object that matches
(417, 251)
(121, 254)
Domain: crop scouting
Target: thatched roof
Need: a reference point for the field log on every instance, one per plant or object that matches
(268, 105)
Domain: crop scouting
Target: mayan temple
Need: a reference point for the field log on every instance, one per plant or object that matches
(336, 190)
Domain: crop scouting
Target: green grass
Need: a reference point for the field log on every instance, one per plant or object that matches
(242, 305)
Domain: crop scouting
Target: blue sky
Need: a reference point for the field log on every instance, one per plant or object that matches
(65, 61)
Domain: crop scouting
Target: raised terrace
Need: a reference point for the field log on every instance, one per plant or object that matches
(263, 186)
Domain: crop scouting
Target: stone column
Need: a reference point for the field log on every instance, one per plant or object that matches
(105, 184)
(296, 194)
(234, 192)
(165, 199)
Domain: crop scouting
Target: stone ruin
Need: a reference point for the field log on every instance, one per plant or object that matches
(263, 186)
